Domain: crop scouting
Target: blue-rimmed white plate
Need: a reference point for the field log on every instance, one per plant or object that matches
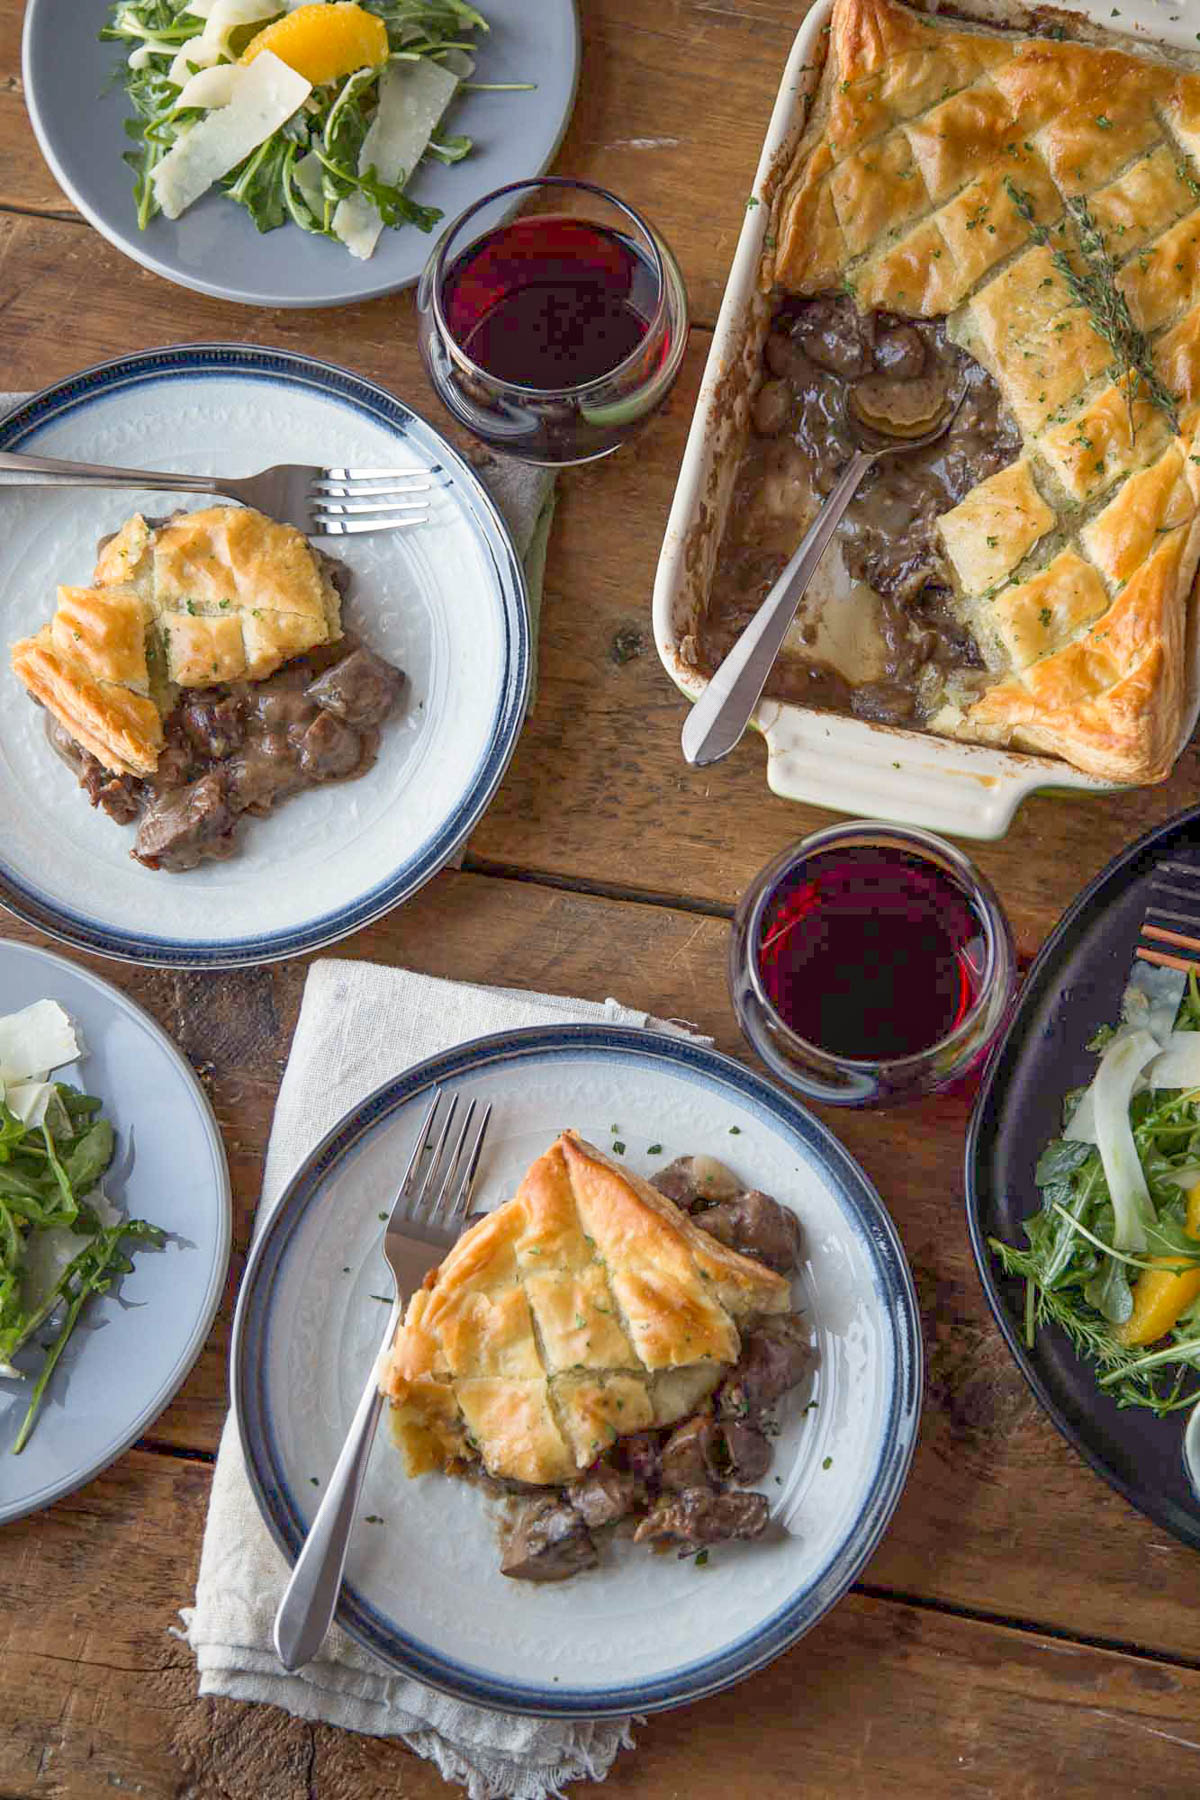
(133, 1346)
(78, 110)
(446, 601)
(424, 1591)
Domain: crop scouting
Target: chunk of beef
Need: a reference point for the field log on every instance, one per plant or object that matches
(329, 748)
(834, 335)
(603, 1496)
(548, 1542)
(214, 723)
(771, 408)
(757, 1226)
(745, 1451)
(690, 1456)
(264, 772)
(694, 1181)
(900, 351)
(699, 1517)
(120, 796)
(775, 1356)
(361, 689)
(640, 1454)
(185, 826)
(179, 762)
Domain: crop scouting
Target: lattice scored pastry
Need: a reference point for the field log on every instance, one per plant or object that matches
(220, 595)
(587, 1308)
(1045, 195)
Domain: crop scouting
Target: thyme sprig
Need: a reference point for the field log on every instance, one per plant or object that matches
(1096, 287)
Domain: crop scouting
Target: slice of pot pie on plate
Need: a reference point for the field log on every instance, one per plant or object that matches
(204, 674)
(591, 1345)
(1025, 208)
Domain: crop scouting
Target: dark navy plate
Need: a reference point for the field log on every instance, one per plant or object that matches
(1075, 985)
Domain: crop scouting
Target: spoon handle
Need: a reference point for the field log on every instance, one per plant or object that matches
(721, 714)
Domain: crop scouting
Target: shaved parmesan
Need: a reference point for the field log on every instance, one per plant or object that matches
(308, 176)
(1119, 1069)
(225, 15)
(197, 53)
(412, 98)
(265, 99)
(211, 88)
(210, 45)
(35, 1041)
(28, 1100)
(1178, 1065)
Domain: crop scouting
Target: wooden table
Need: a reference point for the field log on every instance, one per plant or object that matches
(1021, 1632)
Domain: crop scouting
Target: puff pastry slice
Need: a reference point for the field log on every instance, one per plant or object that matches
(585, 1308)
(224, 594)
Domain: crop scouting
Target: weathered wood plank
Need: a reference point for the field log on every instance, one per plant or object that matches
(96, 1695)
(991, 1473)
(598, 788)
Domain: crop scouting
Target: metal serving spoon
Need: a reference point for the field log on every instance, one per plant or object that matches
(722, 713)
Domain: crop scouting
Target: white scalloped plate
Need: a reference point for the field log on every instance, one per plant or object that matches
(424, 1591)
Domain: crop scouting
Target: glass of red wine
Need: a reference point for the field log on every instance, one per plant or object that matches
(871, 963)
(554, 335)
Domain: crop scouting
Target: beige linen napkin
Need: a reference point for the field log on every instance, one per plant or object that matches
(359, 1026)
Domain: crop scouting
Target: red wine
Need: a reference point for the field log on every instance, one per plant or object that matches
(551, 302)
(871, 953)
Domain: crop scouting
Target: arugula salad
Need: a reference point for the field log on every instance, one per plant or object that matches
(61, 1240)
(1113, 1256)
(310, 112)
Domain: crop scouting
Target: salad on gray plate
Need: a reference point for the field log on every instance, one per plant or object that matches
(61, 1238)
(315, 113)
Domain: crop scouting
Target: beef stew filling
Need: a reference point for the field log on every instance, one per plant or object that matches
(906, 651)
(243, 748)
(682, 1487)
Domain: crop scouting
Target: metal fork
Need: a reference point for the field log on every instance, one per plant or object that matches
(319, 502)
(426, 1218)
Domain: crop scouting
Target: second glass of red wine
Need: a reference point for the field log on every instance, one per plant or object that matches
(555, 335)
(871, 963)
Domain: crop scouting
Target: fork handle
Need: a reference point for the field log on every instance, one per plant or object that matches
(722, 713)
(78, 474)
(310, 1600)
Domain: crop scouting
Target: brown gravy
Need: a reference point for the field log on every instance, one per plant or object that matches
(243, 748)
(818, 351)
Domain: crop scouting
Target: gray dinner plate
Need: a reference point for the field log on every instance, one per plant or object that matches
(78, 109)
(134, 1345)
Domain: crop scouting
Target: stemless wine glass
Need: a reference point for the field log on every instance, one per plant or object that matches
(864, 882)
(553, 335)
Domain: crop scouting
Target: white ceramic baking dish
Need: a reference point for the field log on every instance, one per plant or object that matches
(846, 764)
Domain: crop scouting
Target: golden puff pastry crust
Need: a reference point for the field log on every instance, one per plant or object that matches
(89, 668)
(931, 145)
(587, 1307)
(223, 594)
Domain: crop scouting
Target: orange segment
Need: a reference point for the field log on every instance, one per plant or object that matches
(324, 42)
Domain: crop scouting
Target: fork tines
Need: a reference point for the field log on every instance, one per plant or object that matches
(437, 1184)
(346, 501)
(1171, 928)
